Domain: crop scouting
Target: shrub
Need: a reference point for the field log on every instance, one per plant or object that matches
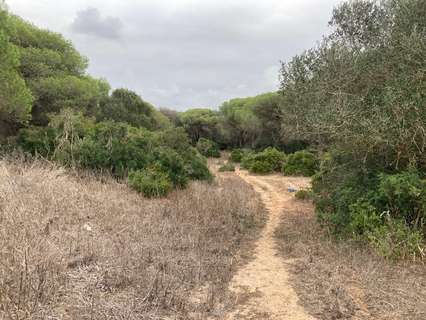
(117, 148)
(267, 161)
(237, 155)
(169, 161)
(208, 148)
(396, 240)
(150, 182)
(262, 167)
(230, 167)
(364, 218)
(304, 194)
(385, 210)
(301, 163)
(403, 195)
(196, 166)
(247, 160)
(37, 140)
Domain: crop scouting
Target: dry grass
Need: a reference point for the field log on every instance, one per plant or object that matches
(343, 281)
(74, 247)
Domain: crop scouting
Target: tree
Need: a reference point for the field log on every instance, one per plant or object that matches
(15, 98)
(127, 106)
(56, 93)
(200, 123)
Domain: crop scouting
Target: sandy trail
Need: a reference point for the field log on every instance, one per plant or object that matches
(262, 286)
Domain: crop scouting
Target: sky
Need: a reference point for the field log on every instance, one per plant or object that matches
(183, 54)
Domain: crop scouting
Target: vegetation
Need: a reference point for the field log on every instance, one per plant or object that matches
(267, 161)
(208, 148)
(343, 280)
(152, 183)
(15, 97)
(359, 94)
(57, 111)
(228, 167)
(357, 98)
(301, 163)
(237, 155)
(303, 194)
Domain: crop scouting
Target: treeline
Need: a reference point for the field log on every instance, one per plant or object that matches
(358, 99)
(51, 107)
(254, 122)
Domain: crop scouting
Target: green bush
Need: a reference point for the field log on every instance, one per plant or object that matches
(302, 163)
(169, 161)
(385, 210)
(261, 167)
(237, 155)
(247, 160)
(304, 194)
(395, 240)
(118, 148)
(267, 161)
(37, 140)
(364, 218)
(196, 166)
(208, 148)
(150, 182)
(228, 167)
(403, 195)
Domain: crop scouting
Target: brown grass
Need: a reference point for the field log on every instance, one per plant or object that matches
(343, 281)
(74, 247)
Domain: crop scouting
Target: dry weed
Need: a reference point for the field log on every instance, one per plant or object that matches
(75, 247)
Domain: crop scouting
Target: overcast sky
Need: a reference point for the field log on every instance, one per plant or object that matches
(185, 53)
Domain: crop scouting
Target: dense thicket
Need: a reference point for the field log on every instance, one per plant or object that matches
(361, 94)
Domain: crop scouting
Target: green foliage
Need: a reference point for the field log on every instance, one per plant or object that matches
(237, 155)
(228, 167)
(404, 196)
(38, 140)
(385, 210)
(196, 166)
(126, 106)
(54, 94)
(304, 194)
(199, 123)
(15, 98)
(150, 182)
(77, 141)
(267, 161)
(208, 148)
(44, 50)
(301, 163)
(364, 218)
(395, 240)
(169, 161)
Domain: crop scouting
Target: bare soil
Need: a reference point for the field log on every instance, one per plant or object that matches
(262, 287)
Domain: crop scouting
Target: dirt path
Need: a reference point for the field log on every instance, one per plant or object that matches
(262, 287)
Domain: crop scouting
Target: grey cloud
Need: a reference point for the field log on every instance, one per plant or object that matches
(192, 53)
(90, 22)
